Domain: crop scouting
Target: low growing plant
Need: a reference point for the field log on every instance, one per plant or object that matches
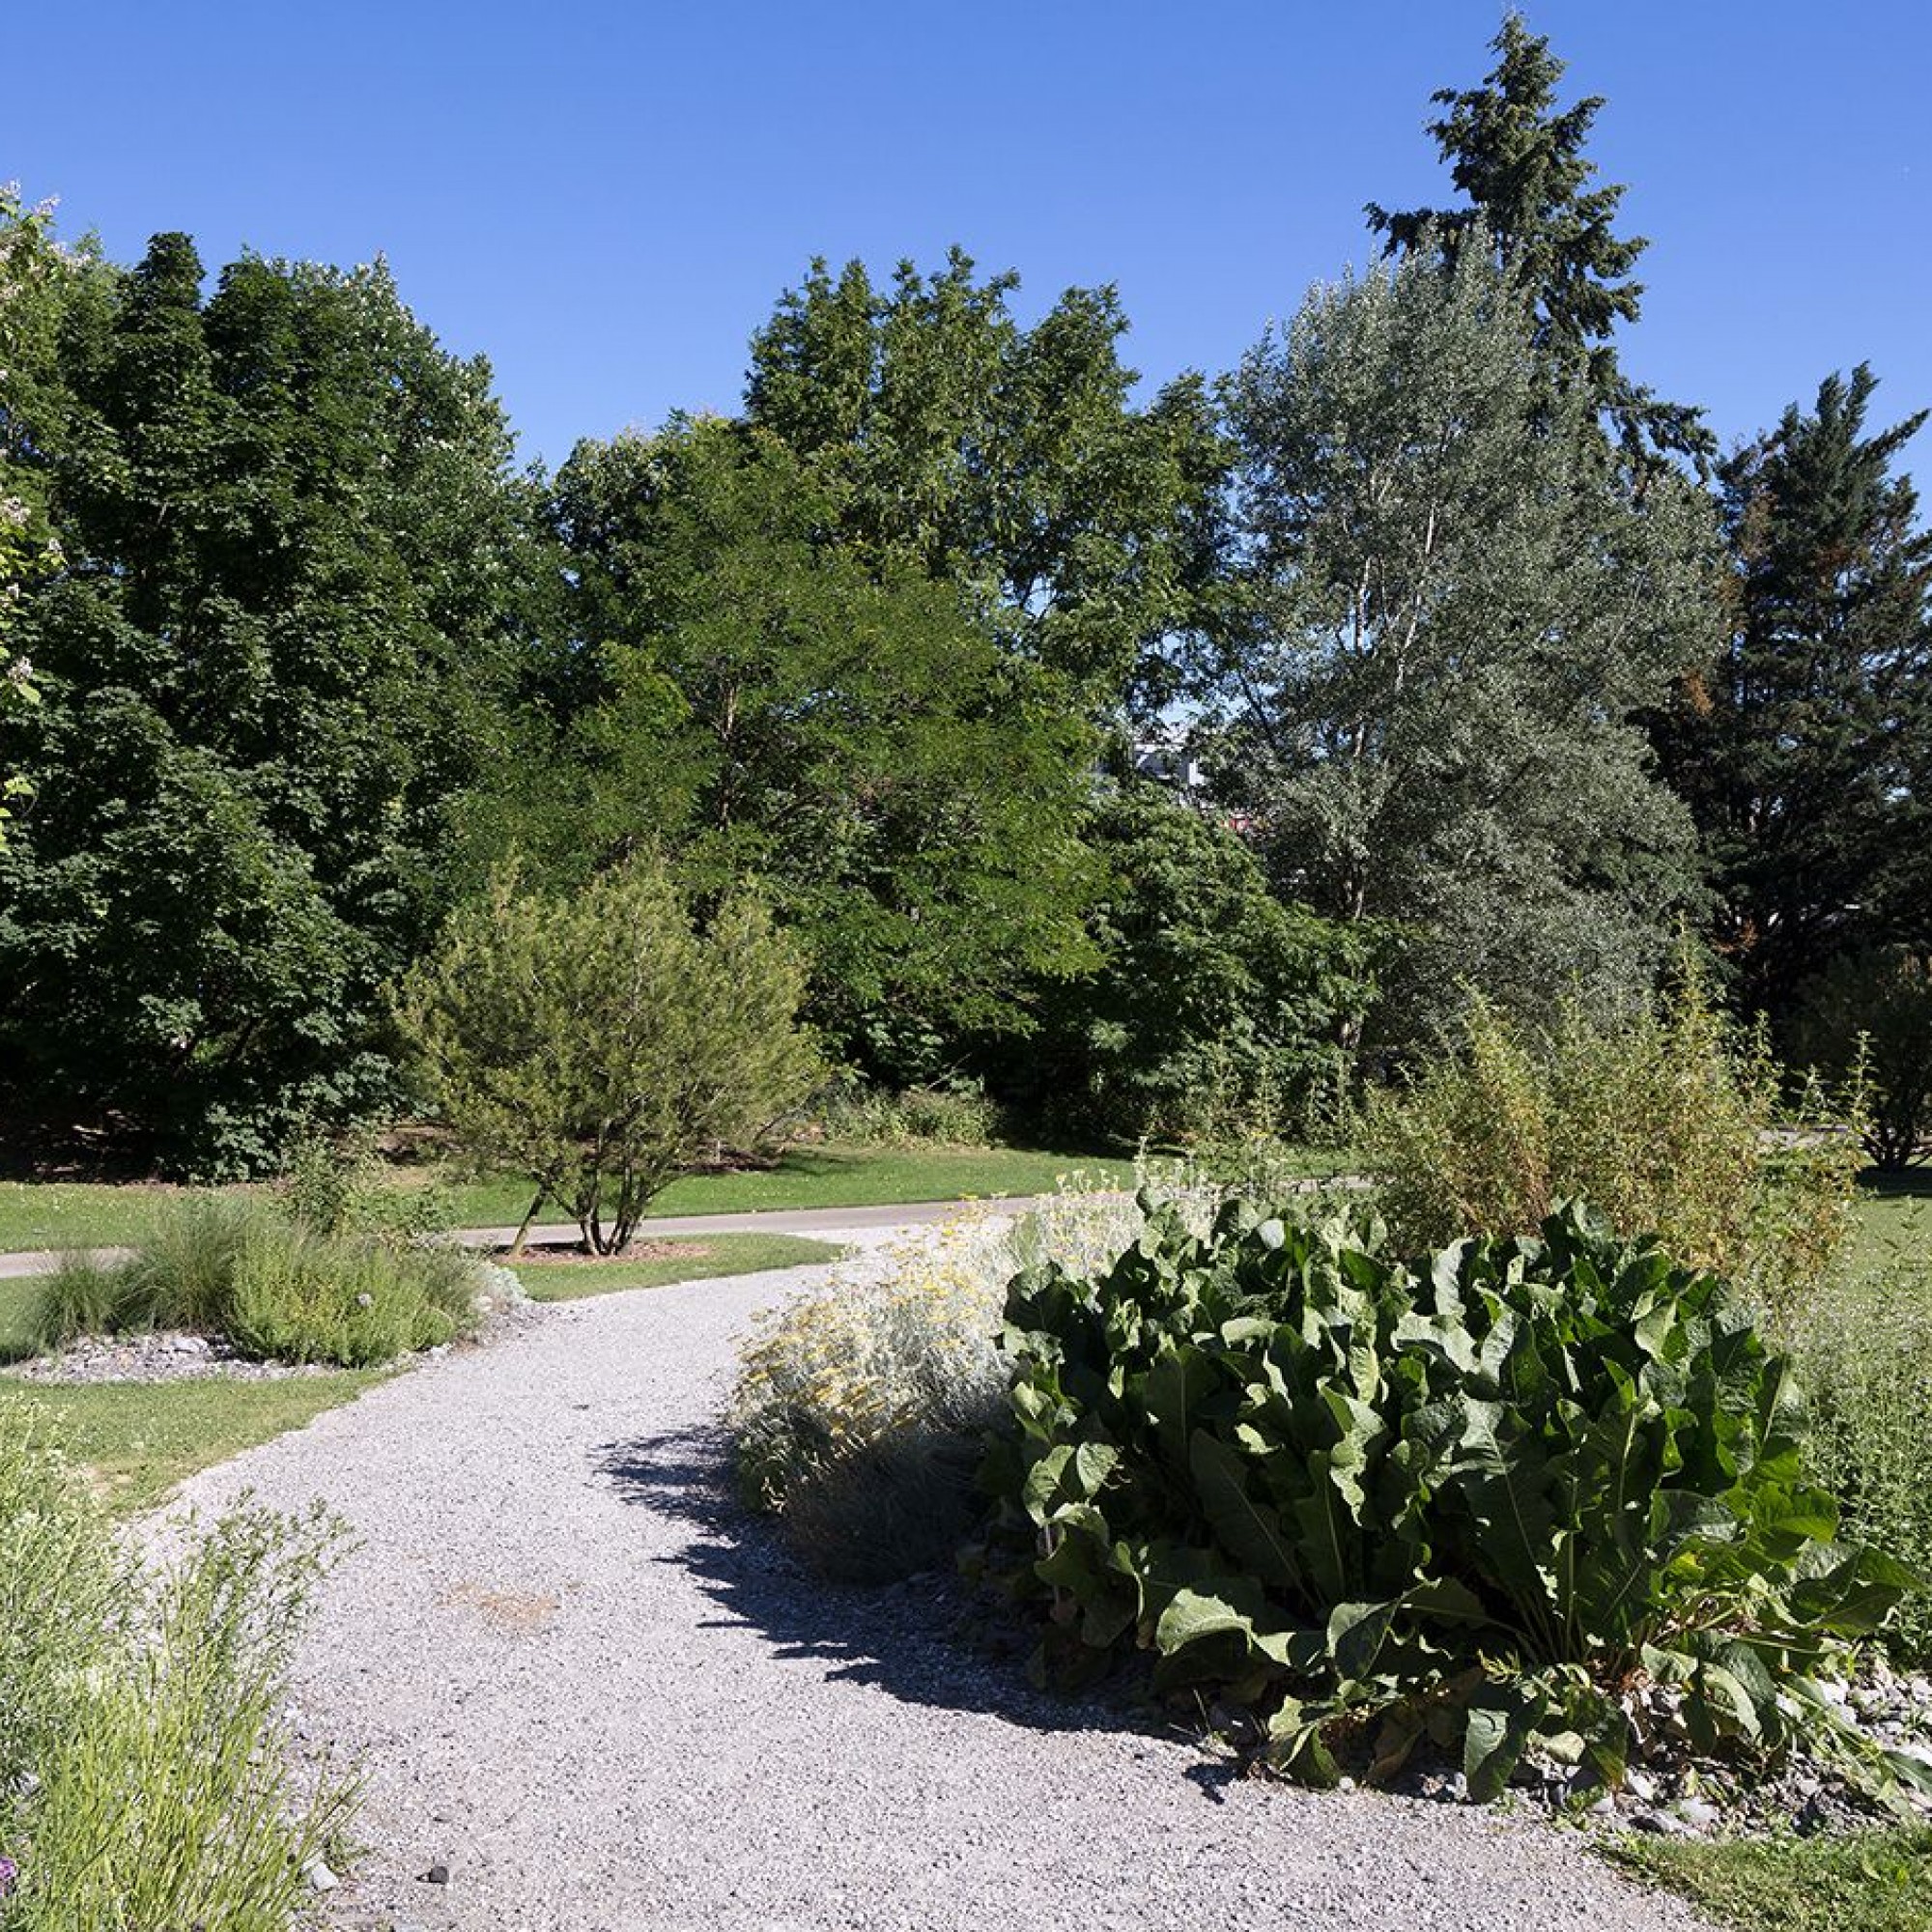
(1865, 1348)
(143, 1749)
(853, 1109)
(1490, 1500)
(273, 1287)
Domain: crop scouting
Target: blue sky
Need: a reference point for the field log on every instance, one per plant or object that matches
(605, 198)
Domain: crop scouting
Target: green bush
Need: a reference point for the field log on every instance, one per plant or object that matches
(852, 1108)
(1215, 1009)
(336, 1183)
(143, 1752)
(1868, 1017)
(272, 1287)
(1664, 1119)
(601, 1043)
(1488, 1499)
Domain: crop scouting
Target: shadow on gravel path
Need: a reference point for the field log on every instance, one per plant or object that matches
(915, 1641)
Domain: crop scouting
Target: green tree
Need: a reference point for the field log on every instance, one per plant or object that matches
(596, 1041)
(1867, 1021)
(32, 274)
(272, 658)
(1532, 207)
(1802, 746)
(1006, 460)
(770, 706)
(1213, 1006)
(1451, 613)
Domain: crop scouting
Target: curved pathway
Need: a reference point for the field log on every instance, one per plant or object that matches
(576, 1678)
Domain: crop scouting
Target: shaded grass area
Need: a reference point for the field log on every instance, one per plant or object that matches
(1872, 1882)
(139, 1440)
(691, 1261)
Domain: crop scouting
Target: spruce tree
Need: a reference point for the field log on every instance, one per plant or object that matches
(1804, 749)
(1534, 198)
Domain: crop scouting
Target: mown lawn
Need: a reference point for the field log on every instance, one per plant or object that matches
(830, 1177)
(71, 1214)
(691, 1261)
(137, 1441)
(1873, 1882)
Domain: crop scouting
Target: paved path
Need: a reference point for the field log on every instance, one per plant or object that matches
(578, 1676)
(828, 1222)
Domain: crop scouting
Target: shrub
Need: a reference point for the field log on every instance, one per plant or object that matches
(275, 1287)
(1868, 1017)
(335, 1183)
(852, 1108)
(143, 1752)
(1664, 1119)
(1490, 1499)
(860, 1407)
(598, 1042)
(1215, 1009)
(857, 1405)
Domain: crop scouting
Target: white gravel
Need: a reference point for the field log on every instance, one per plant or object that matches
(576, 1678)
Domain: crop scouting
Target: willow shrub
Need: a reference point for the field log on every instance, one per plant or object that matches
(1666, 1119)
(1489, 1500)
(144, 1756)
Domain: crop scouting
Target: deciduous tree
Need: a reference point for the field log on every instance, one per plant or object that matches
(598, 1041)
(1452, 613)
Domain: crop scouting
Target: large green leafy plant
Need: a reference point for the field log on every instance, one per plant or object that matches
(1497, 1500)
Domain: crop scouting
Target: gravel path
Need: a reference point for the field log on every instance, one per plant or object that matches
(579, 1679)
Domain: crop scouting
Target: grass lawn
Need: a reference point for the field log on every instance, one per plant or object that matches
(17, 1306)
(137, 1441)
(73, 1214)
(1895, 1223)
(1874, 1882)
(77, 1214)
(829, 1177)
(696, 1261)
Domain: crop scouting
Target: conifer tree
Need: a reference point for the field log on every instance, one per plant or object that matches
(1804, 749)
(1532, 193)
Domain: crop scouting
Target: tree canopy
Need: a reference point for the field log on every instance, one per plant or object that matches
(1533, 209)
(761, 702)
(1010, 461)
(1801, 745)
(275, 652)
(1451, 615)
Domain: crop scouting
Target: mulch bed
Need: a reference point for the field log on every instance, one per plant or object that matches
(550, 1253)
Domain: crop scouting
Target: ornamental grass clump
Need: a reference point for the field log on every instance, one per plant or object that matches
(1494, 1499)
(276, 1288)
(144, 1752)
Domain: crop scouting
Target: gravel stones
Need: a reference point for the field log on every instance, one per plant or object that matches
(699, 1734)
(161, 1357)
